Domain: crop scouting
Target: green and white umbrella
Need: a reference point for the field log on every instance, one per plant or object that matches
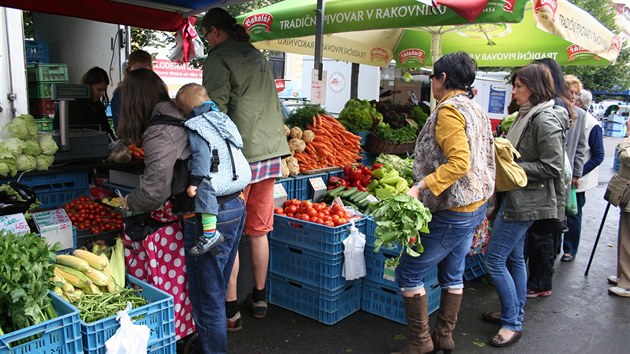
(414, 33)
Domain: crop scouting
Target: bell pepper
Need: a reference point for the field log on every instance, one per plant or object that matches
(336, 181)
(392, 177)
(355, 173)
(366, 179)
(376, 166)
(372, 185)
(378, 173)
(365, 170)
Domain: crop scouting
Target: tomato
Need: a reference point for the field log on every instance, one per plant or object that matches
(334, 218)
(341, 221)
(307, 203)
(311, 212)
(305, 217)
(329, 223)
(316, 220)
(337, 207)
(321, 215)
(278, 211)
(290, 209)
(341, 214)
(289, 215)
(318, 206)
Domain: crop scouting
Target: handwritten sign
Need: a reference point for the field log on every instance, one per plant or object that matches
(14, 223)
(55, 226)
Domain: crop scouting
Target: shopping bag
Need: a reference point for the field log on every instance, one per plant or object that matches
(571, 208)
(354, 259)
(129, 338)
(509, 175)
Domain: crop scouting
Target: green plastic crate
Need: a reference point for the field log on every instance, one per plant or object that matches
(47, 73)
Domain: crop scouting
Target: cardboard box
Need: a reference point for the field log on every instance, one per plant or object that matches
(318, 186)
(55, 226)
(14, 223)
(128, 179)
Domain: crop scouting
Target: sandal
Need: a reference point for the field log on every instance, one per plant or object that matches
(492, 317)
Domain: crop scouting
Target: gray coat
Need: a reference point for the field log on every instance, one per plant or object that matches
(542, 149)
(163, 146)
(624, 166)
(576, 142)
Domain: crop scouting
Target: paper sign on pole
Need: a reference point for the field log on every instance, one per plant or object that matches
(318, 88)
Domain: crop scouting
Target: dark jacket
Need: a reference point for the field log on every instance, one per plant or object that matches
(85, 113)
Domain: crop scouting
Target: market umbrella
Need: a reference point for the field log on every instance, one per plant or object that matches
(414, 33)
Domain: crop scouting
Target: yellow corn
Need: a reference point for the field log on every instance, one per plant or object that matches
(67, 287)
(72, 261)
(93, 290)
(93, 260)
(72, 276)
(111, 285)
(75, 295)
(97, 277)
(117, 264)
(57, 290)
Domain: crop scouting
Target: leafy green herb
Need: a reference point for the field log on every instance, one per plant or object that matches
(359, 115)
(398, 219)
(25, 269)
(304, 116)
(401, 135)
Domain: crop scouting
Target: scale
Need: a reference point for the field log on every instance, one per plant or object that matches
(76, 144)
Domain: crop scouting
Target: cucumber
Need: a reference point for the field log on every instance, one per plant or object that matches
(336, 191)
(347, 194)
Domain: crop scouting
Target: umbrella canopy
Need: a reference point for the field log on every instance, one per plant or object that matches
(374, 32)
(163, 15)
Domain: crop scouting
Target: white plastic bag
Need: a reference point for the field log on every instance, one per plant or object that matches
(354, 259)
(129, 338)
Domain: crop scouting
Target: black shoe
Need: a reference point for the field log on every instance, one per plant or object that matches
(567, 258)
(205, 244)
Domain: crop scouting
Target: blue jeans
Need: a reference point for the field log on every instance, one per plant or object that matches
(574, 223)
(208, 275)
(506, 245)
(447, 243)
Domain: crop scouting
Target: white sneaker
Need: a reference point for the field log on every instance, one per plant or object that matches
(613, 279)
(619, 291)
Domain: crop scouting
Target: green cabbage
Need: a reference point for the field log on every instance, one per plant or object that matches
(23, 127)
(44, 161)
(25, 163)
(14, 146)
(31, 147)
(47, 144)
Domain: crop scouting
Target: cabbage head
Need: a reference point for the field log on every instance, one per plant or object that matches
(25, 163)
(23, 127)
(47, 144)
(44, 161)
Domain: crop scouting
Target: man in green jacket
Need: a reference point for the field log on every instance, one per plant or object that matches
(241, 82)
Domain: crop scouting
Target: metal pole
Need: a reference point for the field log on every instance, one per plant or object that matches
(599, 233)
(319, 35)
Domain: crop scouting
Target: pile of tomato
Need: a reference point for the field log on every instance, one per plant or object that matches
(87, 214)
(320, 213)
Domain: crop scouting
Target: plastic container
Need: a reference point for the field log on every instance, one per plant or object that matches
(311, 236)
(45, 124)
(303, 189)
(54, 189)
(387, 302)
(306, 266)
(36, 52)
(289, 186)
(378, 272)
(474, 267)
(39, 90)
(41, 107)
(158, 315)
(47, 73)
(370, 238)
(61, 335)
(328, 307)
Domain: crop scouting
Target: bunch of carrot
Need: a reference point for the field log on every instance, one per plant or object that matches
(136, 152)
(332, 146)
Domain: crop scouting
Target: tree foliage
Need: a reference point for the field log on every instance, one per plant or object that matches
(603, 78)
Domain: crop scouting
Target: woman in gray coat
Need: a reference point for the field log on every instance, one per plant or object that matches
(538, 135)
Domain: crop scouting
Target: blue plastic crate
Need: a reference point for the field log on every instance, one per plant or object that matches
(311, 236)
(475, 266)
(368, 158)
(328, 307)
(335, 173)
(164, 346)
(289, 186)
(614, 133)
(378, 272)
(36, 52)
(158, 315)
(306, 266)
(56, 188)
(62, 334)
(387, 302)
(303, 189)
(363, 135)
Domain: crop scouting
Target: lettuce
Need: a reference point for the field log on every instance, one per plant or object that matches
(23, 127)
(31, 147)
(47, 144)
(14, 146)
(44, 161)
(25, 163)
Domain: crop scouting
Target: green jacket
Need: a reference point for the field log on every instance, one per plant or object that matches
(240, 81)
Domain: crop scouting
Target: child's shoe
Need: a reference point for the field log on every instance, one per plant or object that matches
(205, 244)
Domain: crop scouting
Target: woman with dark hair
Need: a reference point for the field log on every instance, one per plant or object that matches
(90, 112)
(454, 171)
(543, 242)
(538, 135)
(145, 97)
(240, 81)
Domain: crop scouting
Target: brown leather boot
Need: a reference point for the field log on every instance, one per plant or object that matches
(417, 312)
(445, 324)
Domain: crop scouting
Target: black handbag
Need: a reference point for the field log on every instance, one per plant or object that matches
(138, 227)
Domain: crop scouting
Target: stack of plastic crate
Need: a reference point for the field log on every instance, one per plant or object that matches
(381, 294)
(40, 79)
(36, 52)
(305, 266)
(615, 126)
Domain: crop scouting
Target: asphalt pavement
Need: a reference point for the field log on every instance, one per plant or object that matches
(579, 317)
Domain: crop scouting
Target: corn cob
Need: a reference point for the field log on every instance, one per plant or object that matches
(117, 264)
(72, 276)
(67, 287)
(75, 295)
(72, 262)
(57, 290)
(93, 290)
(93, 260)
(97, 277)
(111, 285)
